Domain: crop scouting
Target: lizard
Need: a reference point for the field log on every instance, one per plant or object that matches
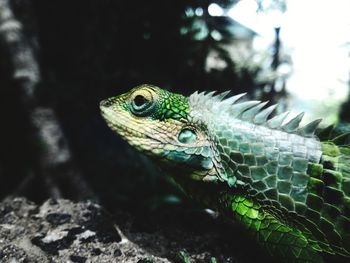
(289, 190)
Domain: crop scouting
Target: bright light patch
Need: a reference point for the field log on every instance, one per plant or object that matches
(245, 12)
(215, 10)
(189, 12)
(317, 32)
(216, 35)
(316, 36)
(199, 11)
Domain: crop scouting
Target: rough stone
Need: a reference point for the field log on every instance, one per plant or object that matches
(62, 231)
(84, 232)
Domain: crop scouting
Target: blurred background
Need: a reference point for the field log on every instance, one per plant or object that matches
(60, 58)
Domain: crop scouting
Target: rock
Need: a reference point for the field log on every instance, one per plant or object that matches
(62, 231)
(83, 232)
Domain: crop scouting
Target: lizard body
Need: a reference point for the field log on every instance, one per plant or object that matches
(285, 187)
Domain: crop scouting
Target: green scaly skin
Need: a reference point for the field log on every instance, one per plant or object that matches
(290, 191)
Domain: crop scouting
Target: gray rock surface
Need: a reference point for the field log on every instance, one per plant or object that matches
(63, 231)
(84, 232)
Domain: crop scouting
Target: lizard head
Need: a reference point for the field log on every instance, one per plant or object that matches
(157, 123)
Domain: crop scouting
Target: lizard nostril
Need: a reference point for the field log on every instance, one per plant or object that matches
(106, 103)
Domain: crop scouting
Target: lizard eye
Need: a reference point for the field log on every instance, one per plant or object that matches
(142, 103)
(139, 100)
(187, 136)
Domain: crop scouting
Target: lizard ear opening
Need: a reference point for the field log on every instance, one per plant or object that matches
(187, 136)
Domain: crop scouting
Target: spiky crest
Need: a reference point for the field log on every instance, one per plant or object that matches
(251, 111)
